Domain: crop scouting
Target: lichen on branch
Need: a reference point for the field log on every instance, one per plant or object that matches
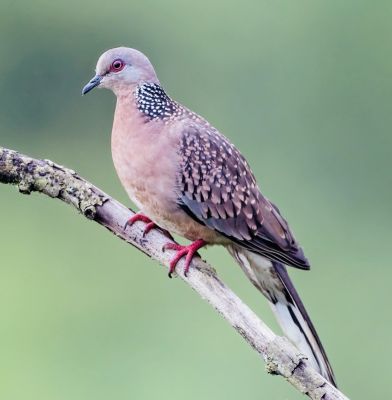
(44, 176)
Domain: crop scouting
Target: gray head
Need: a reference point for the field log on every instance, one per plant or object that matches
(120, 70)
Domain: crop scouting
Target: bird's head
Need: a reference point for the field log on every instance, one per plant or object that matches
(120, 69)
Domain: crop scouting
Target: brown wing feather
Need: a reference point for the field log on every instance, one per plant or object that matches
(219, 190)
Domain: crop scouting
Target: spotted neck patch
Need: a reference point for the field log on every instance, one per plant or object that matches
(152, 101)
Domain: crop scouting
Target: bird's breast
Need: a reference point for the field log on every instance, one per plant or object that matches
(144, 161)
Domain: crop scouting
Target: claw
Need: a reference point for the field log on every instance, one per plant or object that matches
(181, 251)
(148, 228)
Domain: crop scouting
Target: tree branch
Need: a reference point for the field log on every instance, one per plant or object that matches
(281, 357)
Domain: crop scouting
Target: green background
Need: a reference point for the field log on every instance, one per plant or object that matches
(303, 88)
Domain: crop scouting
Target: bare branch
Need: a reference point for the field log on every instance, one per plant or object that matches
(281, 357)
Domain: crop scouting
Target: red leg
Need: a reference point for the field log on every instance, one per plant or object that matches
(188, 251)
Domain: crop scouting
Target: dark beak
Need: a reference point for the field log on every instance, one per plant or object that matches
(92, 84)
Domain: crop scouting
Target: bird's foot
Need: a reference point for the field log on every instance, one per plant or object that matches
(149, 224)
(189, 251)
(142, 218)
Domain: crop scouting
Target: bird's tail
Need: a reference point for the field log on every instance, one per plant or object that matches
(272, 279)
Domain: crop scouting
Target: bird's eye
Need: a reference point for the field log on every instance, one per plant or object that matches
(117, 65)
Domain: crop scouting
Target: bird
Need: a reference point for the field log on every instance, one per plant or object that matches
(187, 178)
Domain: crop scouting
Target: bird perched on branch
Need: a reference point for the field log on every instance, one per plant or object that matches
(187, 178)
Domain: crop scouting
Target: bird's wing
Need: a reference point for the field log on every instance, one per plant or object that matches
(218, 189)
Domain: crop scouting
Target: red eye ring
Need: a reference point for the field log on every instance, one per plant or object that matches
(117, 65)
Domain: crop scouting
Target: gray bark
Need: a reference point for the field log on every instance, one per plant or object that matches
(281, 357)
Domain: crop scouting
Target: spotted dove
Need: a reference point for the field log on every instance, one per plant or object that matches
(188, 178)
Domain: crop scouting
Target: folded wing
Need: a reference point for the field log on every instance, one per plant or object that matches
(218, 189)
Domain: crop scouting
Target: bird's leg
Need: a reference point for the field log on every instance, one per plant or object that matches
(150, 224)
(189, 251)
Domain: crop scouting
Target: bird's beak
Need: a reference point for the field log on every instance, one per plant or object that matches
(92, 84)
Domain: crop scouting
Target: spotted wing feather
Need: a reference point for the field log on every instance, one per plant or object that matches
(219, 190)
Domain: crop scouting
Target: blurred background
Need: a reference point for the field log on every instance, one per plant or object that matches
(303, 88)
